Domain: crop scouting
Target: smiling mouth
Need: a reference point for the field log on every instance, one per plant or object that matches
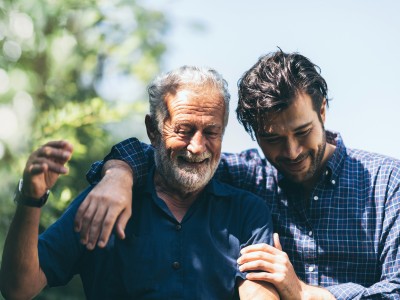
(294, 166)
(193, 160)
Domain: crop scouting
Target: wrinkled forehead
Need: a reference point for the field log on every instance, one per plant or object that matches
(195, 88)
(196, 105)
(197, 95)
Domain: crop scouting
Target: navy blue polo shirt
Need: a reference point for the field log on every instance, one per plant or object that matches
(160, 257)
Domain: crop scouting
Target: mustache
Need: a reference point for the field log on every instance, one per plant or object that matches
(293, 161)
(190, 157)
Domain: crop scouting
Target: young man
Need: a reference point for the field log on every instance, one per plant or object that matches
(187, 235)
(336, 210)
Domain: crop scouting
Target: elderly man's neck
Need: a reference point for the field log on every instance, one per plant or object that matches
(178, 201)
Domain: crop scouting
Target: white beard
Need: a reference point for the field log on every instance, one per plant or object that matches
(182, 172)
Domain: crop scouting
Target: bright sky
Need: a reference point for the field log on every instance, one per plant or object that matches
(355, 43)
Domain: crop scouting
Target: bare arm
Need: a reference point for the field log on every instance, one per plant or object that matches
(257, 290)
(109, 203)
(20, 274)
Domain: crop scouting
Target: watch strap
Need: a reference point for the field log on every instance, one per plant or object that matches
(21, 199)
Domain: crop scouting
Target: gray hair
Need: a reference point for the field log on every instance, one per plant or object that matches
(184, 76)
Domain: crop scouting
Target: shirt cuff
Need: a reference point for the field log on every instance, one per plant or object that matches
(346, 290)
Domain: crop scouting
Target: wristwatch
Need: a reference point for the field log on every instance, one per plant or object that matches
(29, 201)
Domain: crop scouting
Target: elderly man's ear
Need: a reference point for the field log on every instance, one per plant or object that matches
(151, 128)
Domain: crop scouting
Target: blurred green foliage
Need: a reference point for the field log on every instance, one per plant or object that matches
(61, 63)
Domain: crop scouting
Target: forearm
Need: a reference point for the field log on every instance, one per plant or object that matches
(139, 157)
(119, 170)
(20, 275)
(257, 290)
(315, 293)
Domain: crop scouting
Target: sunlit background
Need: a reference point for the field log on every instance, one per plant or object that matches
(78, 70)
(355, 43)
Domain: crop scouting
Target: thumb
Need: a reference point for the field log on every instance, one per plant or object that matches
(277, 243)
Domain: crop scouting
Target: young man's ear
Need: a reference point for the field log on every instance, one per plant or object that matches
(322, 111)
(151, 128)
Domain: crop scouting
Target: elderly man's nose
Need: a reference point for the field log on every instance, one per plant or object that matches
(197, 143)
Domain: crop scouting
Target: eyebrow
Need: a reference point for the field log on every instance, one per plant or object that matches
(301, 127)
(189, 124)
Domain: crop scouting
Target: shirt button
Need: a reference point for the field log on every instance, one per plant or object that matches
(310, 269)
(176, 265)
(315, 198)
(310, 233)
(178, 226)
(326, 172)
(333, 182)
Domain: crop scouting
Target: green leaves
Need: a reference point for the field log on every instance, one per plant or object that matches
(71, 70)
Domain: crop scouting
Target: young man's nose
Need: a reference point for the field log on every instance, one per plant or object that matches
(292, 149)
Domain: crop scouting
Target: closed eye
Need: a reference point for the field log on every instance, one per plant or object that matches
(303, 132)
(184, 132)
(271, 139)
(212, 134)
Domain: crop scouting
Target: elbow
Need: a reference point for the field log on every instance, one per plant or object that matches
(13, 290)
(10, 293)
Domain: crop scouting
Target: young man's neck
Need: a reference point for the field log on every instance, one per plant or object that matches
(309, 185)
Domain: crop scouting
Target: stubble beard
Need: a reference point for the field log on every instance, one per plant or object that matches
(315, 166)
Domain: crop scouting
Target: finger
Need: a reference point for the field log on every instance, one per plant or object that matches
(277, 243)
(255, 256)
(262, 276)
(258, 265)
(80, 213)
(61, 144)
(55, 167)
(86, 221)
(37, 168)
(60, 155)
(121, 223)
(40, 164)
(258, 247)
(107, 227)
(96, 227)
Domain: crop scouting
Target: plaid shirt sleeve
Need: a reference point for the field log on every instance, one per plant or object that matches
(388, 286)
(138, 155)
(245, 170)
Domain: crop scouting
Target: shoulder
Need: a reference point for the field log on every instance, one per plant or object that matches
(246, 156)
(235, 195)
(378, 170)
(245, 208)
(372, 161)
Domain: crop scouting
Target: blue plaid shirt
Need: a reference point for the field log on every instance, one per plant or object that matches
(345, 237)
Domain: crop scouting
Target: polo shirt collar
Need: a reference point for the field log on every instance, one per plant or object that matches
(214, 187)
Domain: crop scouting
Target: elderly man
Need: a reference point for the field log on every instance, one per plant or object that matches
(187, 235)
(337, 210)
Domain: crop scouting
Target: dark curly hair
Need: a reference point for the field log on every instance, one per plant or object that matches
(273, 83)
